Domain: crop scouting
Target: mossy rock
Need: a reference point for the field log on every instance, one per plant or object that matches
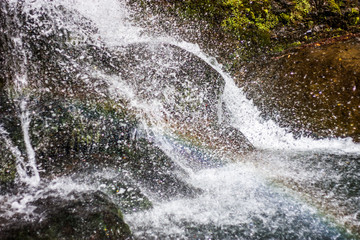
(71, 137)
(8, 167)
(68, 134)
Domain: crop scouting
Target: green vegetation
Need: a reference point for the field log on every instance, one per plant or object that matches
(250, 18)
(353, 16)
(334, 6)
(300, 11)
(259, 21)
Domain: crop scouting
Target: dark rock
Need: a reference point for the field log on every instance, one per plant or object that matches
(171, 69)
(76, 216)
(152, 168)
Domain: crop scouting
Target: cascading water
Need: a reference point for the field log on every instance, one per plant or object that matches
(232, 175)
(27, 170)
(32, 176)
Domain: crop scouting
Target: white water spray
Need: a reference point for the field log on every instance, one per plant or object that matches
(29, 172)
(33, 177)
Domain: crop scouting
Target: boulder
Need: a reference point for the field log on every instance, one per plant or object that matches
(89, 215)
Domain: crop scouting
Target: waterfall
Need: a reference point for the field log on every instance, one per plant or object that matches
(137, 100)
(116, 30)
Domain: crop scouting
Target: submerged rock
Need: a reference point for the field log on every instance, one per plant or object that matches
(88, 215)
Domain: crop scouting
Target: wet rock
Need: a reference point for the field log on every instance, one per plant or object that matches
(75, 137)
(88, 215)
(156, 171)
(68, 134)
(8, 167)
(189, 89)
(314, 90)
(175, 77)
(128, 196)
(76, 123)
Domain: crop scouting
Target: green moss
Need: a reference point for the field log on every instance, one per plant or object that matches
(356, 20)
(261, 25)
(353, 16)
(278, 48)
(334, 7)
(285, 18)
(283, 46)
(295, 44)
(355, 11)
(300, 11)
(250, 18)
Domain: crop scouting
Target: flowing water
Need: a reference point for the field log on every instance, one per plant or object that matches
(287, 188)
(28, 171)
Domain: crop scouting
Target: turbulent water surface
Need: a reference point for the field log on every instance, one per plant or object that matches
(255, 180)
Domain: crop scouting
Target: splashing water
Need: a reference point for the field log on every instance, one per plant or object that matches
(237, 204)
(116, 30)
(264, 134)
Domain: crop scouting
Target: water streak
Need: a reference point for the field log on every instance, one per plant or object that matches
(31, 176)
